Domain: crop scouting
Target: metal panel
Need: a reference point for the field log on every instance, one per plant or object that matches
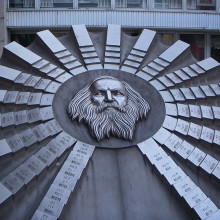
(158, 19)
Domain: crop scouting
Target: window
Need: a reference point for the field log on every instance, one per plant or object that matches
(21, 3)
(201, 4)
(130, 3)
(94, 3)
(63, 3)
(167, 4)
(167, 38)
(215, 47)
(197, 43)
(46, 3)
(23, 39)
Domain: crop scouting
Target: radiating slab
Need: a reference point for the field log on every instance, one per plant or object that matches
(167, 97)
(15, 143)
(58, 194)
(174, 51)
(28, 137)
(173, 142)
(194, 197)
(195, 130)
(42, 215)
(9, 73)
(50, 206)
(7, 119)
(209, 164)
(182, 126)
(184, 186)
(162, 135)
(10, 97)
(216, 112)
(46, 99)
(45, 156)
(207, 134)
(185, 149)
(53, 127)
(22, 98)
(24, 174)
(34, 164)
(46, 113)
(215, 88)
(197, 156)
(33, 115)
(51, 41)
(4, 193)
(207, 112)
(34, 98)
(205, 209)
(165, 165)
(12, 183)
(187, 93)
(174, 78)
(170, 123)
(41, 132)
(171, 109)
(208, 91)
(208, 64)
(197, 92)
(22, 52)
(174, 175)
(195, 111)
(183, 110)
(4, 148)
(22, 78)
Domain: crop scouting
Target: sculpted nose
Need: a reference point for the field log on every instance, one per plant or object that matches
(109, 96)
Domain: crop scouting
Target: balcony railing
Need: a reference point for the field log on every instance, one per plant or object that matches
(208, 5)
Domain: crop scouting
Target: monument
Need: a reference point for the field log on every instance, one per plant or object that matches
(108, 126)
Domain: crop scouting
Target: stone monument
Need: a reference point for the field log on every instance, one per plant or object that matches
(108, 126)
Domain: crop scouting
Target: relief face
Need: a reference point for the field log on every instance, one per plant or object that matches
(108, 107)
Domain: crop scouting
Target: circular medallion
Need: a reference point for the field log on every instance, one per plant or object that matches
(144, 128)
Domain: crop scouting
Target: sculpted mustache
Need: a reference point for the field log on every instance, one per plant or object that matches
(103, 107)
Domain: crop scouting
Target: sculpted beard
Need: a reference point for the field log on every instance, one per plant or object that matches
(109, 119)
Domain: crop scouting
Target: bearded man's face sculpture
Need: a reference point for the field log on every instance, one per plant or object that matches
(109, 107)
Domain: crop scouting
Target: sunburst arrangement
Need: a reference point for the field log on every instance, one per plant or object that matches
(41, 163)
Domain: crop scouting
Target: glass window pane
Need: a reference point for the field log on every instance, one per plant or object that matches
(215, 47)
(46, 3)
(165, 4)
(63, 3)
(201, 4)
(23, 39)
(167, 38)
(21, 3)
(88, 3)
(197, 42)
(131, 3)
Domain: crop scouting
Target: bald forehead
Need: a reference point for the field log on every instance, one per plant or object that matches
(108, 84)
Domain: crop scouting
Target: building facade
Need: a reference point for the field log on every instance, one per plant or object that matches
(196, 22)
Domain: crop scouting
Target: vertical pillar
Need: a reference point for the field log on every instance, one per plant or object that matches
(207, 45)
(37, 4)
(150, 4)
(217, 6)
(144, 3)
(112, 4)
(3, 28)
(75, 4)
(176, 36)
(184, 6)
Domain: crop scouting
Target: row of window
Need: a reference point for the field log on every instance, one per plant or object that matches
(196, 41)
(157, 4)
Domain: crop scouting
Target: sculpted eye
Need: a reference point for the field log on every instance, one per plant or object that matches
(117, 93)
(98, 93)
